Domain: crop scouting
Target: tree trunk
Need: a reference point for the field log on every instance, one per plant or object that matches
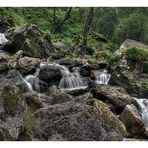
(87, 26)
(60, 24)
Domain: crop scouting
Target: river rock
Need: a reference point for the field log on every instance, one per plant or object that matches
(28, 64)
(116, 96)
(132, 120)
(50, 74)
(85, 70)
(30, 39)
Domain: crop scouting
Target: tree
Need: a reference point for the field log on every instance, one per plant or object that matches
(57, 26)
(87, 26)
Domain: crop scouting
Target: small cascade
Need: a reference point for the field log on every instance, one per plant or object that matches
(33, 81)
(2, 39)
(71, 81)
(143, 103)
(103, 78)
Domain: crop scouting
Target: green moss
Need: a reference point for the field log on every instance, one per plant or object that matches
(5, 135)
(136, 54)
(110, 119)
(10, 100)
(29, 120)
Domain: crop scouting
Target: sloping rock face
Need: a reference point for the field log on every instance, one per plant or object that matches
(29, 39)
(123, 73)
(132, 120)
(12, 107)
(116, 96)
(72, 121)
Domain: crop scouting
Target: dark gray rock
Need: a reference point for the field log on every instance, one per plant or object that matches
(29, 39)
(50, 74)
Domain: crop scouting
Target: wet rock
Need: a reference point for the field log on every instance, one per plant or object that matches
(29, 39)
(116, 96)
(50, 74)
(132, 120)
(85, 70)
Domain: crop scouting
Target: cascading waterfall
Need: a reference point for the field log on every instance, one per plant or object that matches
(71, 81)
(2, 38)
(103, 78)
(32, 81)
(143, 103)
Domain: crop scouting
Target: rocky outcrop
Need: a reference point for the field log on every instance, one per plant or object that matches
(124, 75)
(116, 96)
(132, 120)
(29, 39)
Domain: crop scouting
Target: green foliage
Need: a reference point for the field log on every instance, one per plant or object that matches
(145, 67)
(132, 27)
(136, 54)
(104, 55)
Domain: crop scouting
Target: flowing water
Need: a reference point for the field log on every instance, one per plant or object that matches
(103, 78)
(71, 81)
(143, 103)
(2, 38)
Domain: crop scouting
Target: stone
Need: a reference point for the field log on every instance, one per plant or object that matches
(116, 96)
(30, 39)
(132, 120)
(50, 74)
(28, 65)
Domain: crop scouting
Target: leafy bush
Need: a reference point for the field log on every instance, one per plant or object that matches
(136, 54)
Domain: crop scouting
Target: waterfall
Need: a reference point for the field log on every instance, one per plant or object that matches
(2, 38)
(32, 81)
(143, 103)
(103, 78)
(71, 81)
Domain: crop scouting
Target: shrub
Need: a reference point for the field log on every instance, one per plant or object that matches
(136, 54)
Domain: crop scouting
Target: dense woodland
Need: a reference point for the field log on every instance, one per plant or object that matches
(71, 24)
(73, 74)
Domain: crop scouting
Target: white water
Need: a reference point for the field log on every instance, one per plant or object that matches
(2, 38)
(103, 78)
(143, 103)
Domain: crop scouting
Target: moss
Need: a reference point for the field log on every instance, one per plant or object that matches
(10, 100)
(136, 54)
(5, 135)
(29, 120)
(110, 119)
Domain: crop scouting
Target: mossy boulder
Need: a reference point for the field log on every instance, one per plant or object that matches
(30, 39)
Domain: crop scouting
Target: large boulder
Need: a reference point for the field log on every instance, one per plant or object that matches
(132, 120)
(12, 108)
(116, 96)
(30, 39)
(72, 121)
